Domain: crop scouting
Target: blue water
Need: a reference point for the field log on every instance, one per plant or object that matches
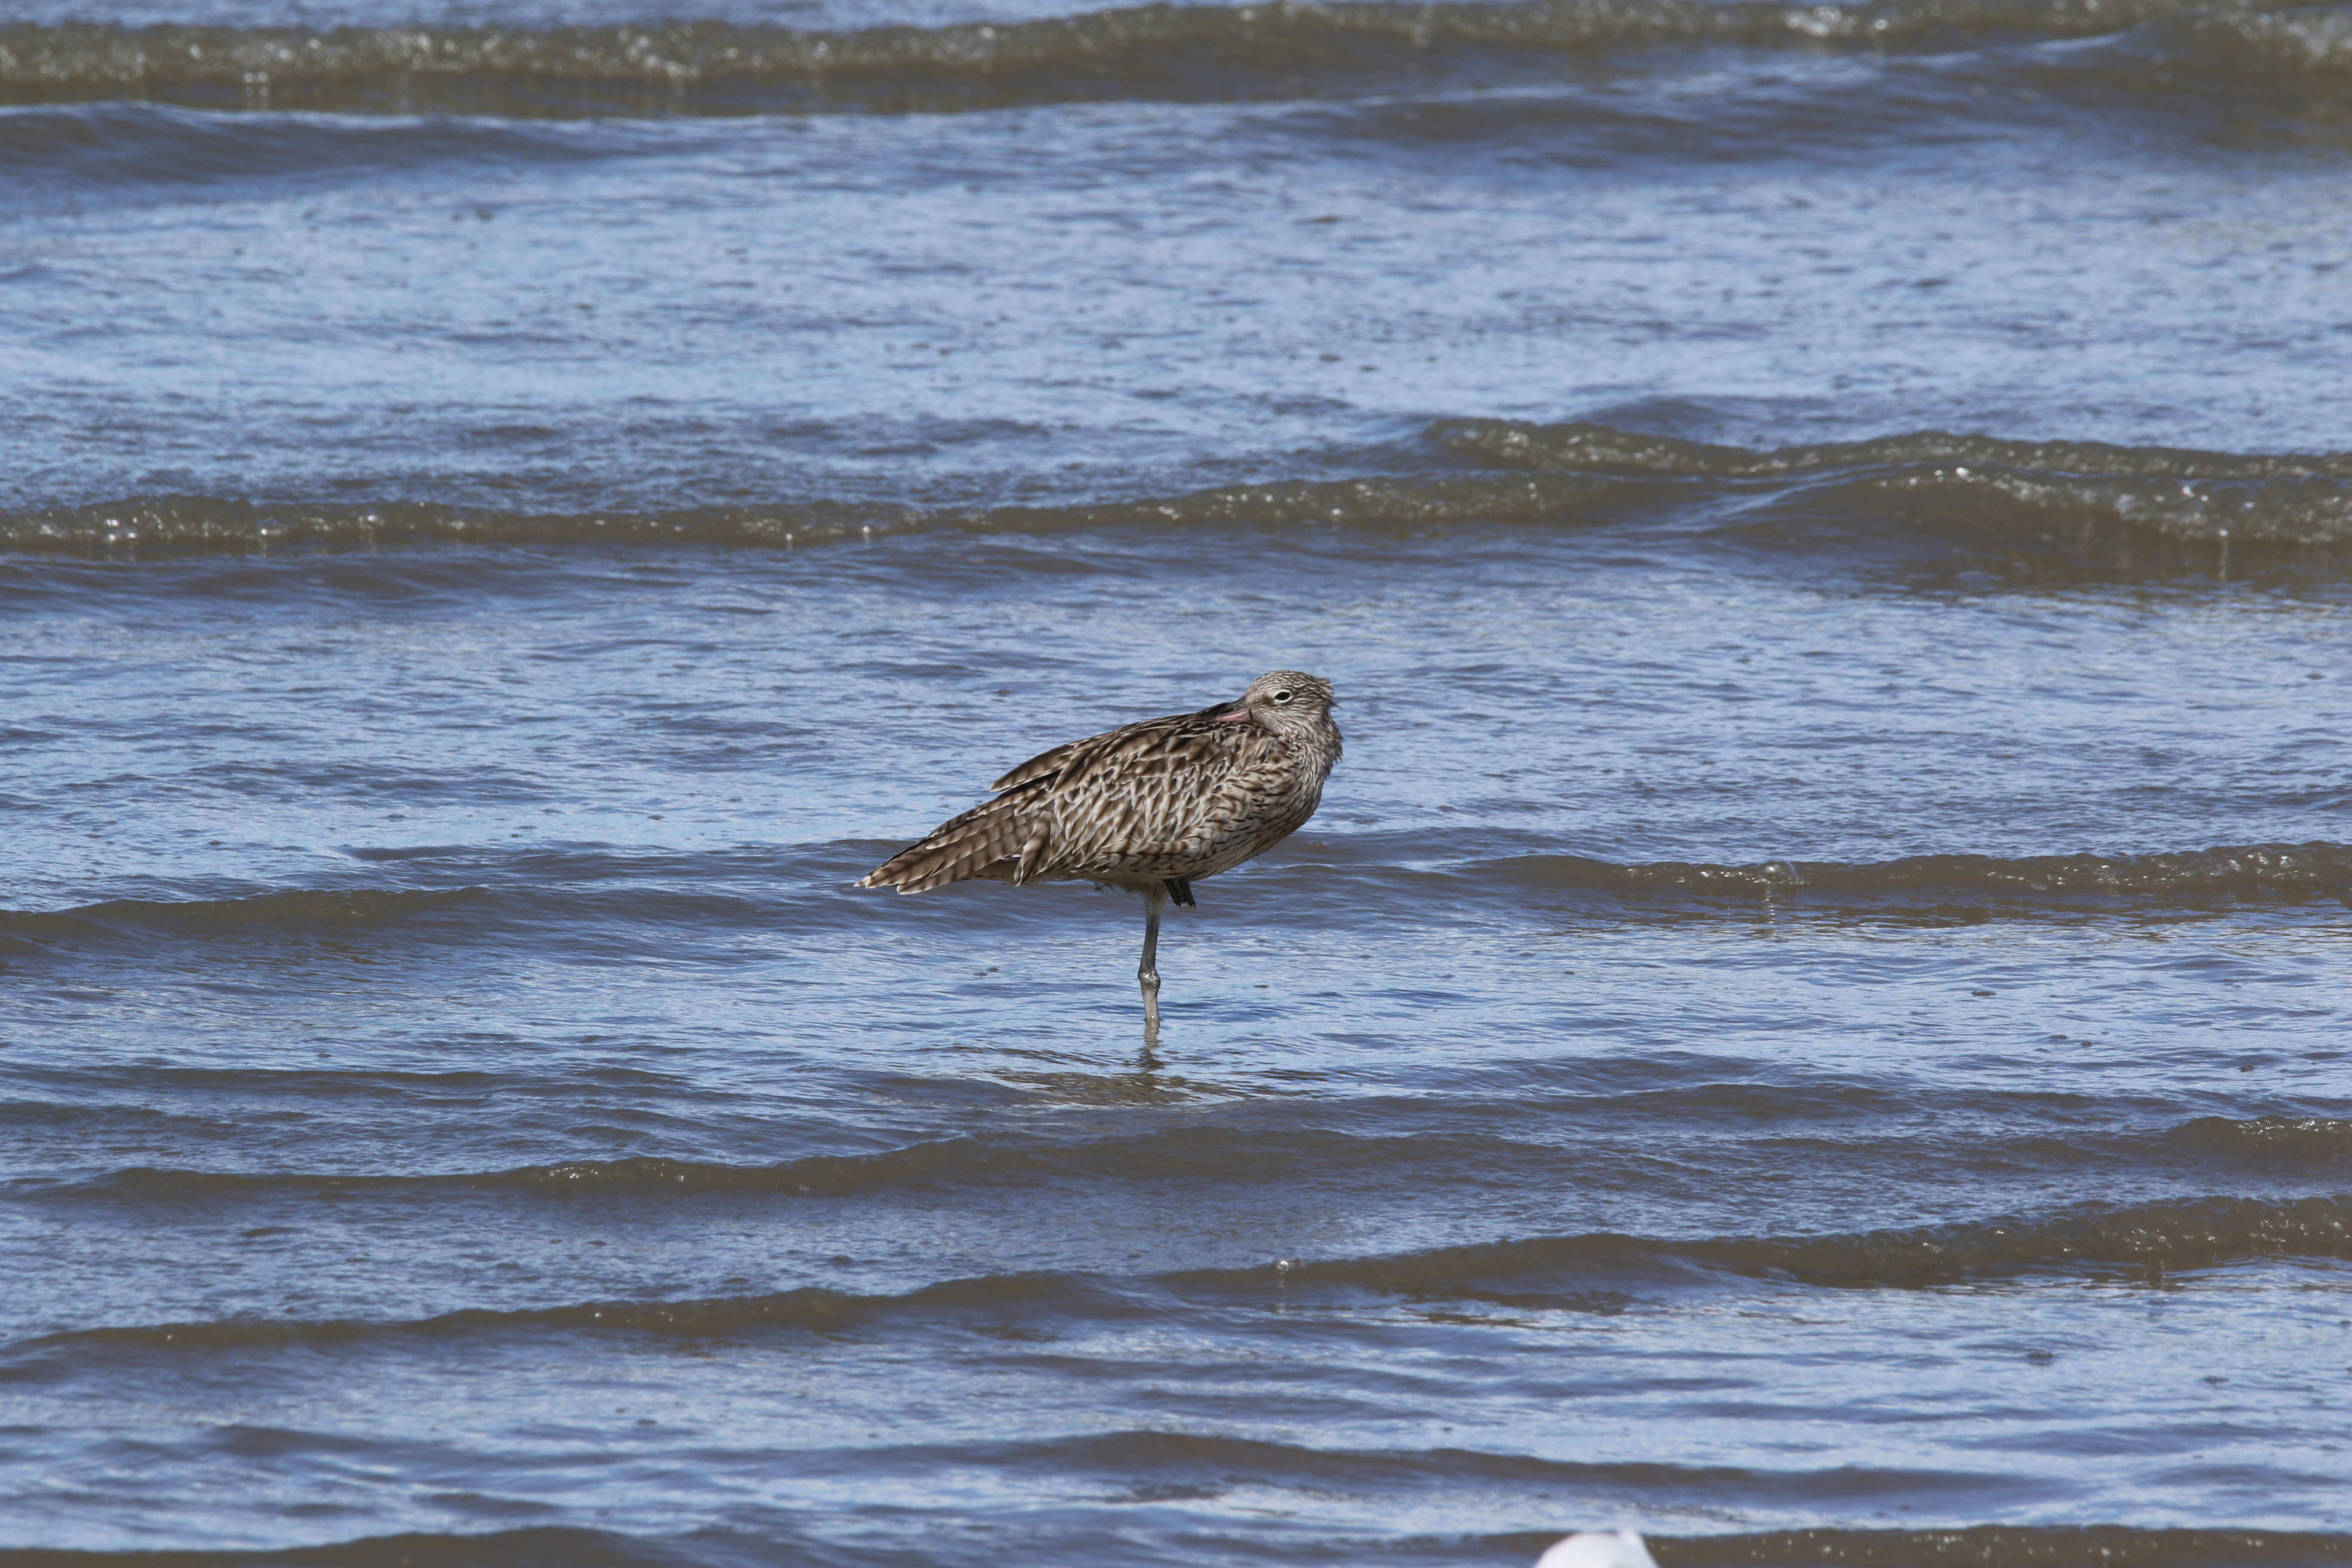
(1809, 1022)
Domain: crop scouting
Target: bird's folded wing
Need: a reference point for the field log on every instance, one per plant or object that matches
(1111, 741)
(1162, 788)
(959, 848)
(1046, 762)
(1121, 801)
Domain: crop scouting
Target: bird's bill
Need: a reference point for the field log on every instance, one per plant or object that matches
(1232, 715)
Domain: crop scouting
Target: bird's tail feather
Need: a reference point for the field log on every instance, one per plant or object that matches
(964, 847)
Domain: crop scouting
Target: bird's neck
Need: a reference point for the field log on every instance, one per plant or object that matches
(1319, 745)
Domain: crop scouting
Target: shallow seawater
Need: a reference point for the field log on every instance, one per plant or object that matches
(1812, 1021)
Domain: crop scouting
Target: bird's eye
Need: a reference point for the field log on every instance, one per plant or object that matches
(1282, 697)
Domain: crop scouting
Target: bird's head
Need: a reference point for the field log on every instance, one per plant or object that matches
(1284, 700)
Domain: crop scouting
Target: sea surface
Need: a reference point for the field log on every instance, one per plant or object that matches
(1815, 1019)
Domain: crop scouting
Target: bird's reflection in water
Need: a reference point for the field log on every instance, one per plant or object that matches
(1149, 1083)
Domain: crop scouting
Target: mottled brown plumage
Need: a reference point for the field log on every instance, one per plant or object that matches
(1154, 806)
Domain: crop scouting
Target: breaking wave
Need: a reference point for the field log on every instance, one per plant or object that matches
(293, 911)
(1958, 501)
(1172, 1464)
(951, 1164)
(1603, 448)
(1181, 52)
(2086, 500)
(1592, 1273)
(2010, 1546)
(2260, 871)
(2309, 1146)
(2301, 1144)
(2245, 873)
(2162, 1237)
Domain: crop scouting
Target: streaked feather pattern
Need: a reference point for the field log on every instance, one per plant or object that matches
(1166, 801)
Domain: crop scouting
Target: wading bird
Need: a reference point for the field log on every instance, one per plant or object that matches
(1153, 806)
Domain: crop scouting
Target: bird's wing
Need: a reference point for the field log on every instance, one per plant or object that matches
(1061, 756)
(1153, 789)
(1164, 787)
(1046, 762)
(961, 847)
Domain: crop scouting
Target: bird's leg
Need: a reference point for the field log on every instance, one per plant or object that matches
(1147, 973)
